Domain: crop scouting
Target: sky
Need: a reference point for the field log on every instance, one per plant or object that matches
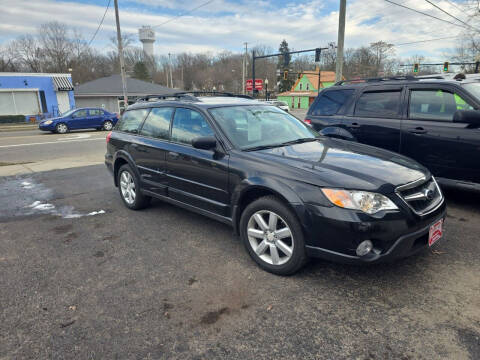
(227, 24)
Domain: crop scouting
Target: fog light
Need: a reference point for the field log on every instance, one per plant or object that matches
(364, 248)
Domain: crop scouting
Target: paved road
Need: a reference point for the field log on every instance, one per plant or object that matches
(30, 151)
(165, 283)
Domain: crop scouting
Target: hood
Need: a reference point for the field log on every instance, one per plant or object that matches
(52, 119)
(345, 164)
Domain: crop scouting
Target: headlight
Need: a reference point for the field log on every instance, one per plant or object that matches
(48, 122)
(365, 201)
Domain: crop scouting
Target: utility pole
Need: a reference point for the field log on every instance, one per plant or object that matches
(170, 66)
(244, 69)
(341, 38)
(120, 56)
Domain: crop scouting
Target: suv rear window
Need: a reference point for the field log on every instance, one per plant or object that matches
(378, 104)
(131, 120)
(331, 101)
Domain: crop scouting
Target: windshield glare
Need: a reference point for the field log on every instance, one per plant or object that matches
(69, 112)
(473, 88)
(260, 125)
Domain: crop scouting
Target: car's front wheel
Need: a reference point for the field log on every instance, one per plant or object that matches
(129, 188)
(107, 125)
(61, 128)
(273, 236)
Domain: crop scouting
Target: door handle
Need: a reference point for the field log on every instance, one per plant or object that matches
(418, 130)
(173, 155)
(355, 125)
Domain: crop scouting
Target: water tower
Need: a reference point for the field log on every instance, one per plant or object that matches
(147, 37)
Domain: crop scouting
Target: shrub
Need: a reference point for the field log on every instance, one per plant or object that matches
(8, 119)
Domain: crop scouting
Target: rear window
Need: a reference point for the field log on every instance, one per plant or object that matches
(95, 112)
(131, 120)
(378, 104)
(331, 101)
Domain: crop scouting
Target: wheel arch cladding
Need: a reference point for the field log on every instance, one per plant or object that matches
(337, 132)
(120, 160)
(250, 190)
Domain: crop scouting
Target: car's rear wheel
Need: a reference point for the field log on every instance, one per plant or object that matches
(129, 188)
(107, 125)
(273, 236)
(61, 128)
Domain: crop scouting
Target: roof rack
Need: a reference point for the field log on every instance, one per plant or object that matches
(389, 78)
(189, 95)
(213, 93)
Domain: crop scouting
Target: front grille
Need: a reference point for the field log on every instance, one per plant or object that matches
(422, 196)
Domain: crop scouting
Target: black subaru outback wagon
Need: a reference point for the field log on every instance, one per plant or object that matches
(433, 120)
(287, 191)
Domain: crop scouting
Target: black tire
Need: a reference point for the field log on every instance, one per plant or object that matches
(107, 125)
(298, 257)
(140, 201)
(61, 128)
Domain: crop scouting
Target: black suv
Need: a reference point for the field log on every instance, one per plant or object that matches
(287, 191)
(432, 120)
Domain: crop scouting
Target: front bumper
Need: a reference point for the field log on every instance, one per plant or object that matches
(334, 233)
(49, 127)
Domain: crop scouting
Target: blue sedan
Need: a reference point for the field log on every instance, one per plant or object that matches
(85, 118)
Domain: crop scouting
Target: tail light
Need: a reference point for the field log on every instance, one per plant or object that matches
(308, 121)
(109, 135)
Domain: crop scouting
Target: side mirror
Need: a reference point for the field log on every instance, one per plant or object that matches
(467, 117)
(204, 142)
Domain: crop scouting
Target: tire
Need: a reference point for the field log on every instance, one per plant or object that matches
(129, 189)
(61, 128)
(107, 125)
(263, 245)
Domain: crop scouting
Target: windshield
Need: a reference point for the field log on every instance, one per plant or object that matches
(473, 88)
(69, 112)
(254, 126)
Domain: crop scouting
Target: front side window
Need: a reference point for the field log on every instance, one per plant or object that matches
(437, 105)
(157, 123)
(331, 101)
(378, 104)
(259, 125)
(131, 120)
(189, 124)
(80, 114)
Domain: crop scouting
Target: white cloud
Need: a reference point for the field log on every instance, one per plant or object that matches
(226, 24)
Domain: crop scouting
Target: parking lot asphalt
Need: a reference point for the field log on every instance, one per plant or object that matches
(82, 277)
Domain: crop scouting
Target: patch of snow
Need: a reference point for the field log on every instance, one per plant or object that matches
(44, 207)
(96, 212)
(35, 204)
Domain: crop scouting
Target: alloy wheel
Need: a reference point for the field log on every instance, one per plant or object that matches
(270, 237)
(127, 187)
(107, 125)
(62, 128)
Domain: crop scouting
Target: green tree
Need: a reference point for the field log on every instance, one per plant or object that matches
(283, 64)
(140, 71)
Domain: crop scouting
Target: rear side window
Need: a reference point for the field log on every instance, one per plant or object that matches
(436, 105)
(189, 124)
(331, 101)
(378, 104)
(95, 112)
(157, 123)
(131, 120)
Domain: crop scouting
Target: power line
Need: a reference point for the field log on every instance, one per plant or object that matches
(420, 12)
(99, 25)
(446, 12)
(422, 41)
(185, 13)
(455, 6)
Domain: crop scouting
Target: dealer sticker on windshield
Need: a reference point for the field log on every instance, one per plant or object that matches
(436, 231)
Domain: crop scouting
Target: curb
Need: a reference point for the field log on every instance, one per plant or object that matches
(18, 127)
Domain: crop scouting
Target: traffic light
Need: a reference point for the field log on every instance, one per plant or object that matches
(415, 68)
(285, 75)
(317, 54)
(445, 66)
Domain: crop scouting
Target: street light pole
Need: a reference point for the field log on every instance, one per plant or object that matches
(341, 38)
(244, 69)
(120, 56)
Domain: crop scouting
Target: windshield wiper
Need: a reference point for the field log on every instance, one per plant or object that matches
(299, 141)
(270, 146)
